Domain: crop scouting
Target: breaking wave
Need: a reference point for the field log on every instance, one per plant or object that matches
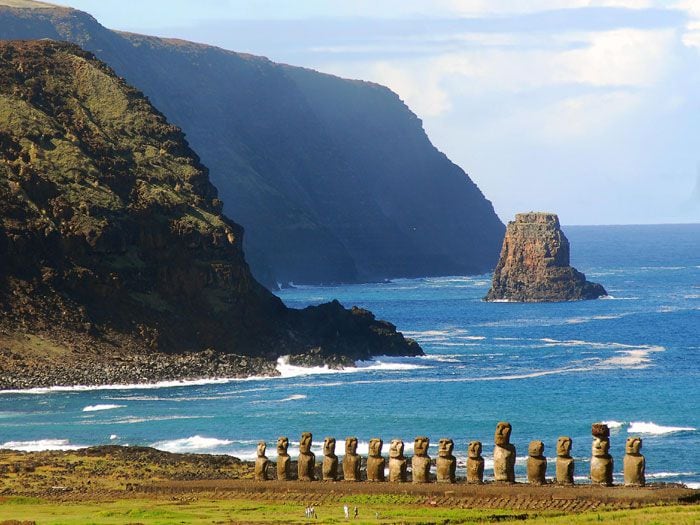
(40, 445)
(640, 427)
(191, 444)
(98, 408)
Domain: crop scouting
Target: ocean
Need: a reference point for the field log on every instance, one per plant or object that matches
(631, 360)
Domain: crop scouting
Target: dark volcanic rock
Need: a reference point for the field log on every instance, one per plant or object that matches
(335, 180)
(113, 249)
(534, 264)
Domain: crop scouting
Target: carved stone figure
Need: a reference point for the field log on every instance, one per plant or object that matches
(282, 458)
(420, 463)
(261, 463)
(306, 464)
(503, 454)
(351, 461)
(375, 462)
(634, 463)
(397, 462)
(330, 460)
(536, 463)
(565, 463)
(475, 463)
(601, 460)
(446, 464)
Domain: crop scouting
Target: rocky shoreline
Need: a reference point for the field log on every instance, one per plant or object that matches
(19, 372)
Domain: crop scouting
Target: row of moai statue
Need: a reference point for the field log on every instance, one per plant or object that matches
(504, 455)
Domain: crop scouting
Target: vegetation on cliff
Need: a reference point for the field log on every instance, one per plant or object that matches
(334, 180)
(112, 237)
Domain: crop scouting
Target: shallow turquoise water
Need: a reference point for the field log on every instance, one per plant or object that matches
(549, 369)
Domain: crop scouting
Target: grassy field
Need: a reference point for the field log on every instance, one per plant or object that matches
(149, 512)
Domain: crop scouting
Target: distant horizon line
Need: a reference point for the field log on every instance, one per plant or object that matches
(640, 224)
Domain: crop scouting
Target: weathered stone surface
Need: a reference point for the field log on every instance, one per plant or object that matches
(534, 264)
(475, 463)
(565, 463)
(329, 470)
(420, 463)
(306, 464)
(634, 463)
(601, 462)
(351, 461)
(503, 454)
(536, 463)
(375, 462)
(261, 463)
(397, 462)
(600, 430)
(282, 458)
(446, 464)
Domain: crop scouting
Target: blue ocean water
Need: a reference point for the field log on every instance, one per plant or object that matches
(549, 369)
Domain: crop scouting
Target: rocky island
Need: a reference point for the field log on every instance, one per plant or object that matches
(534, 264)
(116, 262)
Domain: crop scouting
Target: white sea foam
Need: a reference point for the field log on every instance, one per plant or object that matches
(191, 444)
(112, 437)
(130, 420)
(286, 370)
(693, 485)
(641, 427)
(664, 475)
(613, 425)
(293, 397)
(40, 445)
(98, 408)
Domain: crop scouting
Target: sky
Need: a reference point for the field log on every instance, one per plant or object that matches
(586, 108)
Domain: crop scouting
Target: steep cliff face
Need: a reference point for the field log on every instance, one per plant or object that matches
(534, 264)
(112, 236)
(334, 180)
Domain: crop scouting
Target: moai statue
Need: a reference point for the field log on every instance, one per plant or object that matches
(634, 463)
(475, 463)
(397, 462)
(536, 463)
(351, 461)
(601, 460)
(330, 460)
(420, 463)
(282, 458)
(565, 463)
(375, 461)
(261, 463)
(503, 454)
(306, 464)
(446, 462)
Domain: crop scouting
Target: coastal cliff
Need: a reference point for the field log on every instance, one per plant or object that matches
(116, 262)
(534, 264)
(335, 180)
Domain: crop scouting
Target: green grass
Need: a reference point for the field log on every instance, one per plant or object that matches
(248, 511)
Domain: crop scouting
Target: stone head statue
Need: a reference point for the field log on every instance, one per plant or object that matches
(305, 443)
(445, 447)
(564, 446)
(350, 446)
(633, 446)
(262, 447)
(600, 430)
(502, 436)
(474, 450)
(329, 446)
(396, 448)
(536, 449)
(420, 446)
(375, 447)
(282, 445)
(600, 447)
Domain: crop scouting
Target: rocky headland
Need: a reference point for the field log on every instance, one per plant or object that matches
(116, 262)
(534, 264)
(335, 180)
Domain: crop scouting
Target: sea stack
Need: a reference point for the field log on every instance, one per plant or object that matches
(534, 264)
